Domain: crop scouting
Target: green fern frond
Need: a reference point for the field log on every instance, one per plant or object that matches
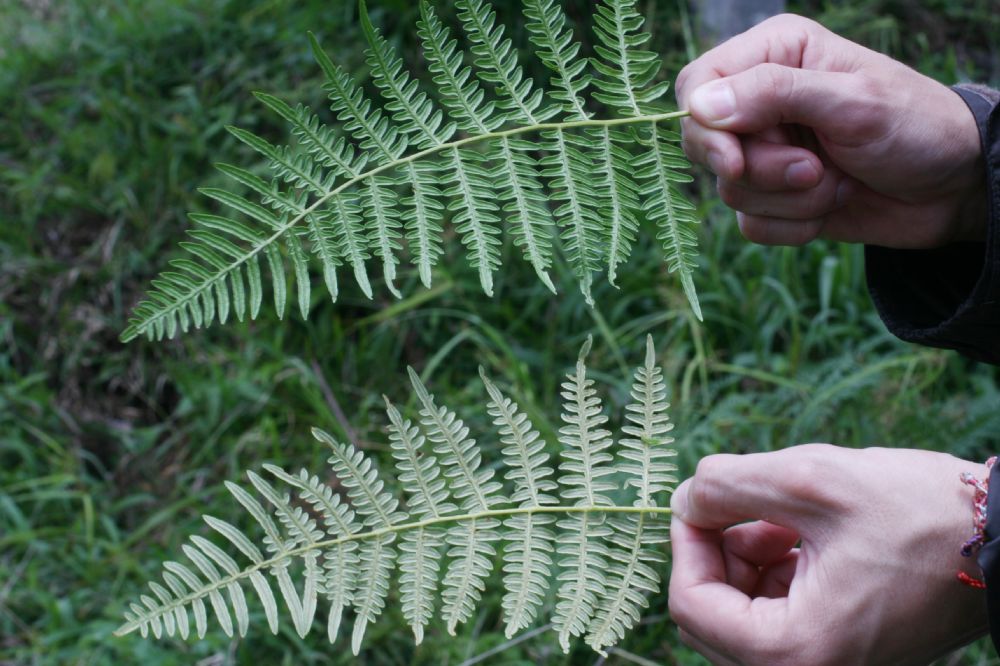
(500, 153)
(592, 531)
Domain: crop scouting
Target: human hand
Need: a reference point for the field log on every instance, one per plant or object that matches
(812, 135)
(873, 581)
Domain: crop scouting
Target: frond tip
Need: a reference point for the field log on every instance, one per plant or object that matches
(591, 531)
(490, 152)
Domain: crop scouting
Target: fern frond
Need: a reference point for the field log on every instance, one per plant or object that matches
(410, 107)
(645, 450)
(558, 51)
(471, 542)
(527, 558)
(496, 58)
(340, 544)
(421, 548)
(635, 540)
(570, 170)
(499, 153)
(584, 469)
(628, 73)
(342, 560)
(633, 556)
(515, 175)
(659, 171)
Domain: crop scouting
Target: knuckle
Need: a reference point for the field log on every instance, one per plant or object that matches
(681, 81)
(788, 20)
(754, 229)
(678, 610)
(709, 480)
(868, 114)
(711, 469)
(775, 82)
(820, 200)
(792, 25)
(731, 194)
(807, 477)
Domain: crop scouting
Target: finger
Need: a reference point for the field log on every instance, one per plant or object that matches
(790, 487)
(783, 40)
(759, 543)
(778, 231)
(703, 604)
(790, 205)
(719, 151)
(835, 104)
(702, 648)
(776, 578)
(750, 546)
(773, 166)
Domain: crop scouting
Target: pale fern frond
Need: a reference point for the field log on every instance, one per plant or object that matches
(342, 560)
(646, 450)
(429, 499)
(340, 543)
(470, 542)
(627, 72)
(629, 84)
(659, 172)
(515, 174)
(558, 51)
(528, 556)
(633, 556)
(584, 481)
(499, 154)
(635, 542)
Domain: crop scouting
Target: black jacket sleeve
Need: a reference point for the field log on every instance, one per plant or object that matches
(949, 297)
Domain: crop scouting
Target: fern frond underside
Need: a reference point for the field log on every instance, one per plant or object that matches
(593, 532)
(490, 152)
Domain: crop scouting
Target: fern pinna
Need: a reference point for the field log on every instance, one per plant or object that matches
(490, 148)
(596, 526)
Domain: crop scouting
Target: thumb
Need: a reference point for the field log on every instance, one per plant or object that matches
(843, 106)
(790, 488)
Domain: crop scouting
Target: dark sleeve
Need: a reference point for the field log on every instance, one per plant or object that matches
(989, 555)
(949, 297)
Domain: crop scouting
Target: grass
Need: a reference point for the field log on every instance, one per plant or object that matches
(113, 113)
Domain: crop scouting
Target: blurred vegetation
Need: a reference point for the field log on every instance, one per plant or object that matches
(112, 114)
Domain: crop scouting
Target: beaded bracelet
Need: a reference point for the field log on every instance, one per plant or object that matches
(981, 488)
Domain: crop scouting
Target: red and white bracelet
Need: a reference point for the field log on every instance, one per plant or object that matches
(981, 488)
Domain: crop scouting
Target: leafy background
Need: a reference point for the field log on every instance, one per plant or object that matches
(112, 112)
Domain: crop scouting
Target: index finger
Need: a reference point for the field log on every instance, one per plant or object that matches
(703, 604)
(799, 488)
(780, 40)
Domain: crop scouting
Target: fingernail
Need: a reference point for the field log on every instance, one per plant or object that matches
(713, 102)
(679, 499)
(801, 174)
